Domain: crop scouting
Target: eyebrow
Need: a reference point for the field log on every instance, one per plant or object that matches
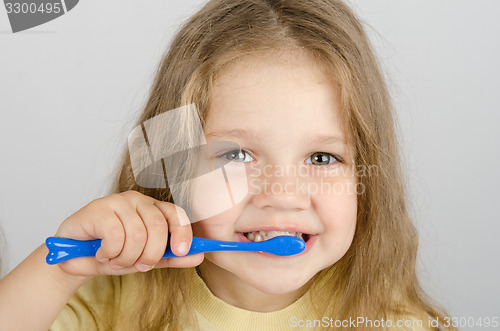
(236, 133)
(252, 136)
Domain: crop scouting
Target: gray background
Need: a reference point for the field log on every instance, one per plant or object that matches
(71, 89)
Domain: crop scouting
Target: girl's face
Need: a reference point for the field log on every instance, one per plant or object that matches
(283, 112)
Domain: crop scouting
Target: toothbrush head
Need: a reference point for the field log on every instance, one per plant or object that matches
(285, 245)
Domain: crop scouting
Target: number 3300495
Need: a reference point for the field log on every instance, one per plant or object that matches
(25, 8)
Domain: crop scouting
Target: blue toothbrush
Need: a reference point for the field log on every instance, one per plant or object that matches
(63, 249)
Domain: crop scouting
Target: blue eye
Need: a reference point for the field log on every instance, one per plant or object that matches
(237, 155)
(321, 158)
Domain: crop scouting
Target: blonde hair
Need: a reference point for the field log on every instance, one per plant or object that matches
(376, 278)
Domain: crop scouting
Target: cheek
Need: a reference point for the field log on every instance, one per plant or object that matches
(218, 191)
(220, 227)
(337, 209)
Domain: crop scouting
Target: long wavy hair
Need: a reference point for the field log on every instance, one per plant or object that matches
(376, 277)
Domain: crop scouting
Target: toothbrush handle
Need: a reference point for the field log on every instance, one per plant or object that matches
(63, 249)
(202, 245)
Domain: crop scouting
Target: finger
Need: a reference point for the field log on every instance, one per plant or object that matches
(112, 233)
(135, 237)
(97, 220)
(181, 262)
(87, 266)
(157, 230)
(179, 226)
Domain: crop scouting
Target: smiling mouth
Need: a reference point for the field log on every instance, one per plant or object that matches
(257, 236)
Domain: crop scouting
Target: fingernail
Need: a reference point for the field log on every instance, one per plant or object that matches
(116, 267)
(144, 267)
(102, 260)
(182, 248)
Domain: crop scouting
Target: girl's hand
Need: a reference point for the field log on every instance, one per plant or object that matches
(134, 229)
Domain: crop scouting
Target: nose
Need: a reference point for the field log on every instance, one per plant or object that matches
(279, 191)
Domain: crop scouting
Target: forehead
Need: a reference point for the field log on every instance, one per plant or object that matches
(275, 89)
(293, 62)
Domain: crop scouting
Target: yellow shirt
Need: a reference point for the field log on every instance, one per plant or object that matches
(212, 313)
(215, 314)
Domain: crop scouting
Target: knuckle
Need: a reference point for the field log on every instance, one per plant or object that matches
(164, 204)
(131, 194)
(181, 216)
(108, 202)
(118, 198)
(149, 260)
(138, 236)
(116, 234)
(97, 204)
(122, 261)
(157, 222)
(128, 262)
(179, 210)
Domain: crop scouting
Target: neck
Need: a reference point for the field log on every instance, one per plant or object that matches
(224, 285)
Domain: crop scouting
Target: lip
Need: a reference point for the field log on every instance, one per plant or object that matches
(309, 243)
(283, 228)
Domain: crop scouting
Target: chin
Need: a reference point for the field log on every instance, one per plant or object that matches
(274, 281)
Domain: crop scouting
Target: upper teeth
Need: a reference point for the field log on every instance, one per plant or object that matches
(265, 235)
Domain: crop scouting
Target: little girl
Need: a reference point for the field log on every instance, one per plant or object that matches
(295, 85)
